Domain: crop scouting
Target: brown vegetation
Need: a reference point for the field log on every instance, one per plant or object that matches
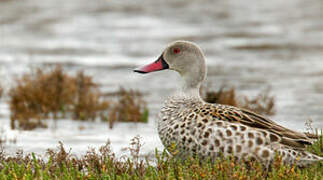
(54, 94)
(1, 91)
(129, 107)
(222, 96)
(263, 103)
(87, 99)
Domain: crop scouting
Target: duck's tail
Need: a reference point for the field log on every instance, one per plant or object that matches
(301, 158)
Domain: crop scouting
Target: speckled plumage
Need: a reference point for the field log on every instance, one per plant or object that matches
(195, 127)
(210, 130)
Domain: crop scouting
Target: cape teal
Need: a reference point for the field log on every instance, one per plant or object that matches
(198, 128)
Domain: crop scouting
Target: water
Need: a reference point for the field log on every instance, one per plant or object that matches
(249, 44)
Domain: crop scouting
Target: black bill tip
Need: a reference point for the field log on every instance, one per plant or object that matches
(139, 71)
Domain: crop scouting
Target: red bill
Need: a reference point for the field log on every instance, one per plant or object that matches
(159, 64)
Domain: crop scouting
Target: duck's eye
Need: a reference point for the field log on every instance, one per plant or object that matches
(176, 50)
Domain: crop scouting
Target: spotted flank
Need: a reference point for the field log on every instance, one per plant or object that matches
(209, 131)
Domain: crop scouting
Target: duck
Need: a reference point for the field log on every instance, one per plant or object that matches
(209, 131)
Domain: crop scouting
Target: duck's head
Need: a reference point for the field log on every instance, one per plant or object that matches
(184, 57)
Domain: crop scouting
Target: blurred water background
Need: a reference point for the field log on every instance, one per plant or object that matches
(249, 44)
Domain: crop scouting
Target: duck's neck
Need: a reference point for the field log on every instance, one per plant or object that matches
(192, 81)
(191, 88)
(192, 93)
(186, 96)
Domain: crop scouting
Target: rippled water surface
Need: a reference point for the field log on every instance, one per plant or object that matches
(250, 45)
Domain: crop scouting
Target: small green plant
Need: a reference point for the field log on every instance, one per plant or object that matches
(317, 148)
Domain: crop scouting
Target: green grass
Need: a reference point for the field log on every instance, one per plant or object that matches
(103, 164)
(145, 116)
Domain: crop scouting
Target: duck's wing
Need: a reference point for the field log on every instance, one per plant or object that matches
(251, 119)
